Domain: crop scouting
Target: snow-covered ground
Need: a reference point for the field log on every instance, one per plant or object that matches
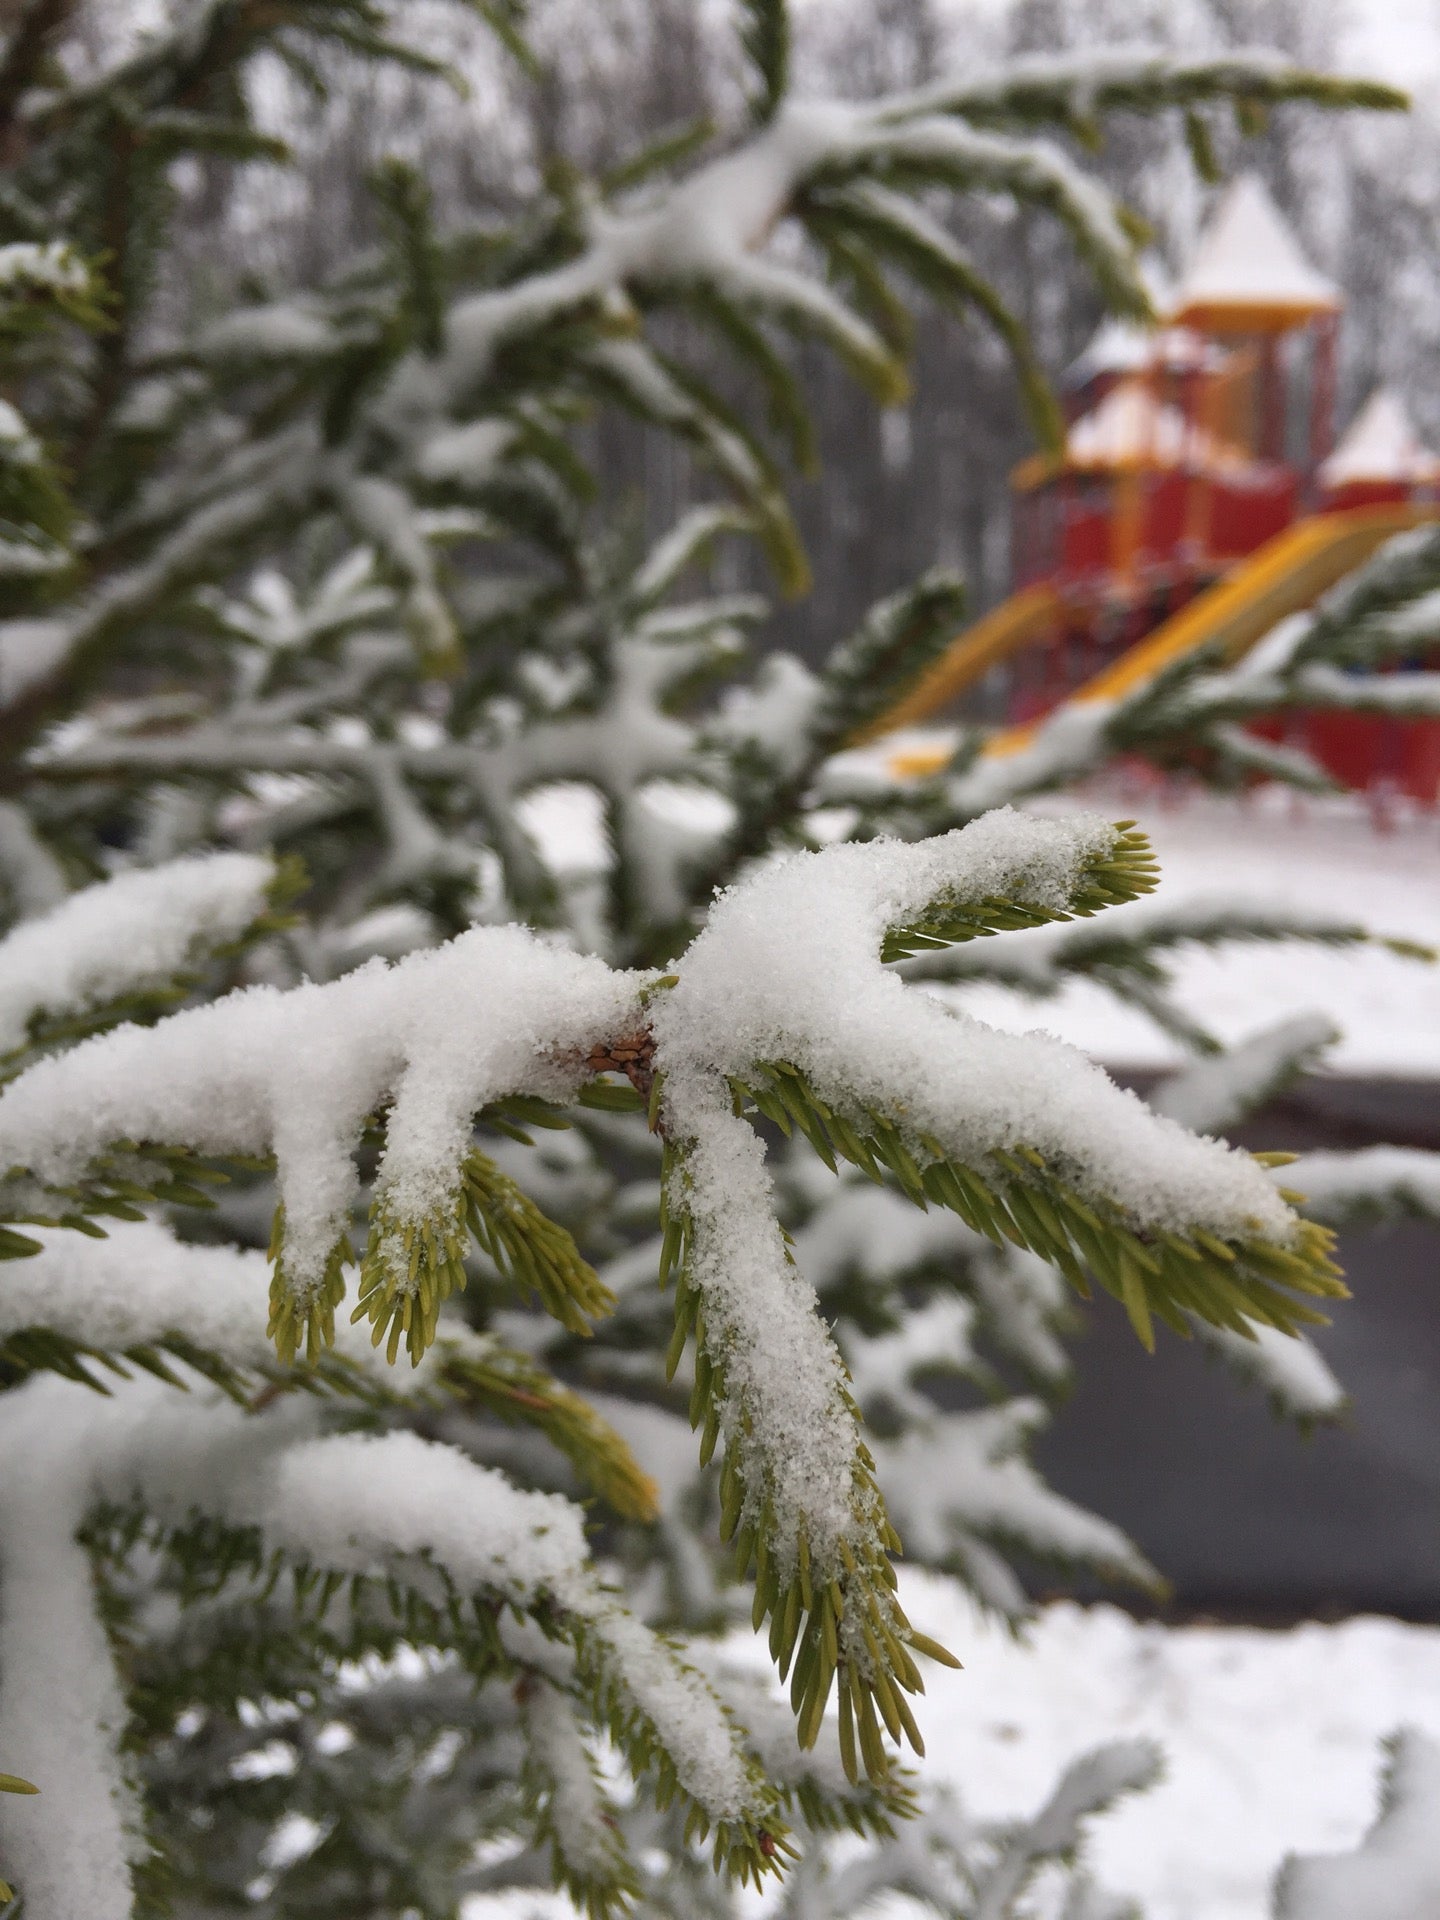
(1274, 850)
(1271, 1738)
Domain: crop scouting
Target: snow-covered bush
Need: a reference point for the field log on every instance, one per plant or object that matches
(365, 815)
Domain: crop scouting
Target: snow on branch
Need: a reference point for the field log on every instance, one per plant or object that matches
(954, 1863)
(573, 1813)
(783, 1003)
(94, 1309)
(1290, 1369)
(131, 936)
(298, 1075)
(1369, 1184)
(1120, 947)
(1215, 1093)
(1395, 1872)
(961, 1491)
(1071, 89)
(354, 1506)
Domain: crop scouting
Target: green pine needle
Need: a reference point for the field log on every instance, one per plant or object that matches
(412, 1267)
(1124, 874)
(845, 1628)
(765, 37)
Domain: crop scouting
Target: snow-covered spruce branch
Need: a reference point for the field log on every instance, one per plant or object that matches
(93, 1309)
(703, 239)
(954, 1863)
(1215, 1093)
(1372, 1183)
(297, 1075)
(131, 944)
(1394, 1874)
(357, 1512)
(613, 726)
(1046, 89)
(1135, 947)
(783, 1002)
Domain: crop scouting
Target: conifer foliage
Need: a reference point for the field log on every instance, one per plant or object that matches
(310, 610)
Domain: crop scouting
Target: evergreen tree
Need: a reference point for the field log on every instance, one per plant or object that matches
(312, 608)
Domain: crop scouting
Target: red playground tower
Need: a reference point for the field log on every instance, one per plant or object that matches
(1199, 498)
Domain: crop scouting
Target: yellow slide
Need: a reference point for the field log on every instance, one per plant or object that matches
(1287, 574)
(1003, 631)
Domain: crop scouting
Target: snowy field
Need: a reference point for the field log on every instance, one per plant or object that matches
(1271, 1739)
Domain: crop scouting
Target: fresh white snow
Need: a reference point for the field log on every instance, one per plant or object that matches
(1271, 1744)
(1271, 1739)
(1283, 853)
(136, 931)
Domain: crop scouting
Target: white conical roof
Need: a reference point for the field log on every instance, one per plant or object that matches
(1380, 444)
(1249, 257)
(1131, 427)
(1117, 346)
(1124, 346)
(1121, 347)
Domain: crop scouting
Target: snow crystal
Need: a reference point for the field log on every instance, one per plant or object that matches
(138, 930)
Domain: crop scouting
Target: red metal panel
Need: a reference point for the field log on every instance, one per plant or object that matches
(1244, 518)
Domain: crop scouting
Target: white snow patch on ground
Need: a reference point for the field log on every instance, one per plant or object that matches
(1271, 1738)
(1299, 854)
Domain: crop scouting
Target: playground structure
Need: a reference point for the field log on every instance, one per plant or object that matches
(1198, 499)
